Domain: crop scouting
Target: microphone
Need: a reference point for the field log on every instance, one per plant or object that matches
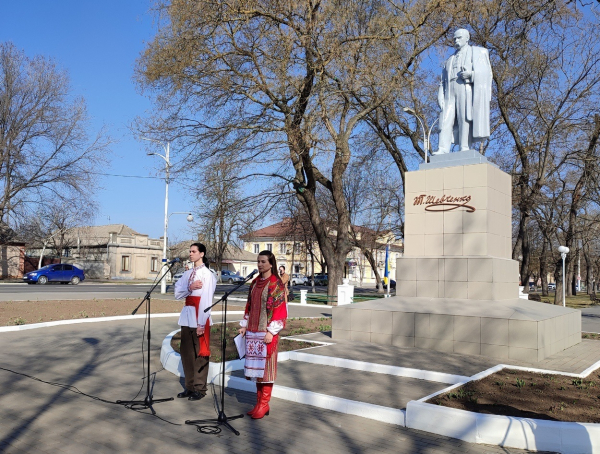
(251, 274)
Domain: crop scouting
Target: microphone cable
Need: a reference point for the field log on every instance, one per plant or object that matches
(74, 389)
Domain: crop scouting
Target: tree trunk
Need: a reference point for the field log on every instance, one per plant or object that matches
(373, 262)
(558, 272)
(544, 267)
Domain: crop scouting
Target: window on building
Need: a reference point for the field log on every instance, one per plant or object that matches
(282, 248)
(372, 273)
(244, 270)
(297, 248)
(125, 263)
(296, 268)
(154, 264)
(269, 247)
(256, 248)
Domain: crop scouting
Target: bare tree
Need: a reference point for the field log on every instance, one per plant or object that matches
(546, 79)
(50, 227)
(288, 83)
(45, 152)
(224, 214)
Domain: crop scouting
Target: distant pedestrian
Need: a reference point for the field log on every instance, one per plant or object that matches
(197, 286)
(264, 318)
(285, 279)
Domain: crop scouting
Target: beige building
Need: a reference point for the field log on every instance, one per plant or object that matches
(12, 254)
(305, 257)
(113, 251)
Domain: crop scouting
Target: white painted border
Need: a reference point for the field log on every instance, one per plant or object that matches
(5, 329)
(300, 339)
(521, 433)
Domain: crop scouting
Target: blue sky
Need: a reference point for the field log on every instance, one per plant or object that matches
(98, 43)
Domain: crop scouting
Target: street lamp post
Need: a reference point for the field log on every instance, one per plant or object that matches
(426, 134)
(163, 283)
(564, 250)
(189, 217)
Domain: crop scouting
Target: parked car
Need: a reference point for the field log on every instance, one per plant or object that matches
(392, 284)
(321, 279)
(299, 279)
(230, 277)
(55, 273)
(551, 286)
(178, 275)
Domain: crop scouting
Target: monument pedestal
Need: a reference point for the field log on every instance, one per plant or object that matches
(510, 329)
(457, 285)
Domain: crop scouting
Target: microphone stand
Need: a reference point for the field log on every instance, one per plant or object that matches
(148, 401)
(222, 418)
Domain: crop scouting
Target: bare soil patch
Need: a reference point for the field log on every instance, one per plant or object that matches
(25, 312)
(294, 326)
(529, 395)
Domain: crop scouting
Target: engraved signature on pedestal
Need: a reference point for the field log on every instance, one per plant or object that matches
(444, 203)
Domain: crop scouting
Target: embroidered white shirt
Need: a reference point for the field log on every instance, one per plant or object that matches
(206, 294)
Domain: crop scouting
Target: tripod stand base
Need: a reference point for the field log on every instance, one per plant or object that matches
(221, 420)
(148, 402)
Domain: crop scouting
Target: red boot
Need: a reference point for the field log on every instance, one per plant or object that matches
(263, 408)
(258, 398)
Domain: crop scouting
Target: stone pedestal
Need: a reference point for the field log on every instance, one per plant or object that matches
(456, 285)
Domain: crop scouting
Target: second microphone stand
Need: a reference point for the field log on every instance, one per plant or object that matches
(222, 418)
(148, 400)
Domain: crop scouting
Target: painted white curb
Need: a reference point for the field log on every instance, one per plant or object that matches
(521, 433)
(511, 432)
(5, 329)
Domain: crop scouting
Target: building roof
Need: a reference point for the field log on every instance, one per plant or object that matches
(279, 230)
(284, 229)
(236, 254)
(9, 237)
(97, 235)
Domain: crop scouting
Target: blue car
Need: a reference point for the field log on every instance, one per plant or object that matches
(55, 273)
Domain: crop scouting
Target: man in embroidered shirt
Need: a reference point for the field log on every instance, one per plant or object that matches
(197, 286)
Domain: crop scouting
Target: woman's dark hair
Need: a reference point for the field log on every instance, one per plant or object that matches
(201, 248)
(272, 261)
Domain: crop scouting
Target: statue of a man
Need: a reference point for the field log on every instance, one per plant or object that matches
(464, 95)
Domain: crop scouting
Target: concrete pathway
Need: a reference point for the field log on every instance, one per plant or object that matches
(104, 360)
(590, 319)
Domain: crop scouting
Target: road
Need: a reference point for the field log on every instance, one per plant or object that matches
(90, 290)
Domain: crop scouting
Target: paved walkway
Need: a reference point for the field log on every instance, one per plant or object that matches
(105, 360)
(573, 360)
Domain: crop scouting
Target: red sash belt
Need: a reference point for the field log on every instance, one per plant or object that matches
(203, 340)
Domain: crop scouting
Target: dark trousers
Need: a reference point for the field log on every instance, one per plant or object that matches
(195, 367)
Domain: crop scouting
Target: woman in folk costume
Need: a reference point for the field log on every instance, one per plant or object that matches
(197, 286)
(264, 318)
